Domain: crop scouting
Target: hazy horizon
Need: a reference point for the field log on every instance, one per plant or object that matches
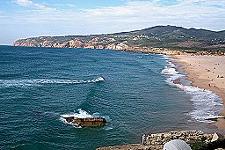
(31, 18)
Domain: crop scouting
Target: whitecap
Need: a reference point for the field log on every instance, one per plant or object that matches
(206, 103)
(81, 114)
(39, 82)
(169, 71)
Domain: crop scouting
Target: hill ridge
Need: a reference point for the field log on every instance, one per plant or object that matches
(170, 37)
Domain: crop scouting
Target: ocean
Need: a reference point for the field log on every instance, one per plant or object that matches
(133, 91)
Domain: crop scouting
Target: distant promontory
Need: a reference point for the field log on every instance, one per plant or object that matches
(154, 39)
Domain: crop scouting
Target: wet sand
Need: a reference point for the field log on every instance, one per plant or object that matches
(207, 72)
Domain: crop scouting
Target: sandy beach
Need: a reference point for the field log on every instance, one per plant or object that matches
(207, 72)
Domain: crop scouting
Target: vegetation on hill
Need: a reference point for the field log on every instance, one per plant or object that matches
(170, 37)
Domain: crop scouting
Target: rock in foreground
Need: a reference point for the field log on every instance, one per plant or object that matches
(156, 141)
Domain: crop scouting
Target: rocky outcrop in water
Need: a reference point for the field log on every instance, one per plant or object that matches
(86, 122)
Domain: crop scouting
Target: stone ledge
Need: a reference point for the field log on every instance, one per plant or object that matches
(155, 141)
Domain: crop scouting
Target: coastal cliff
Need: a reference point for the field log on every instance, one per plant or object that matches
(159, 39)
(155, 141)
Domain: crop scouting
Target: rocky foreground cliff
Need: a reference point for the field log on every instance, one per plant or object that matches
(198, 140)
(154, 39)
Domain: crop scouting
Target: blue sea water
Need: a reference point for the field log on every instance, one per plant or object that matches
(39, 85)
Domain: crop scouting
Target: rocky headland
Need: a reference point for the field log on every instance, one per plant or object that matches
(159, 39)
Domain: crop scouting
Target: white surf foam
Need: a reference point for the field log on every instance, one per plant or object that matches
(99, 79)
(39, 82)
(169, 71)
(206, 103)
(81, 114)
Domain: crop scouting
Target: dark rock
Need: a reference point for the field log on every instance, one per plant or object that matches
(214, 145)
(86, 122)
(215, 118)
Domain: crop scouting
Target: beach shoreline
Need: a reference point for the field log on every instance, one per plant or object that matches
(206, 72)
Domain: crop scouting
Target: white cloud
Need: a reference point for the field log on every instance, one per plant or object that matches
(24, 2)
(31, 4)
(191, 13)
(141, 12)
(39, 19)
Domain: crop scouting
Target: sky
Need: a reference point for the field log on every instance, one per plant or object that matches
(30, 18)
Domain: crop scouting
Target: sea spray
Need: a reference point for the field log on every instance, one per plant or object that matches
(83, 114)
(206, 103)
(40, 82)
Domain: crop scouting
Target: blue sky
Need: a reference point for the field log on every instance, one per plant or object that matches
(28, 18)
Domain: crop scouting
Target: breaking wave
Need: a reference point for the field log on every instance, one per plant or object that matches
(39, 82)
(82, 114)
(206, 103)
